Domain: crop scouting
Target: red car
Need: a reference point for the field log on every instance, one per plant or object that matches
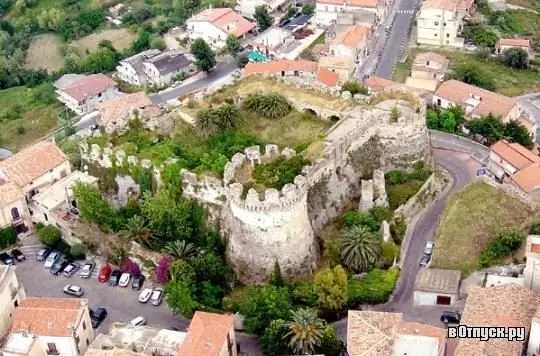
(105, 274)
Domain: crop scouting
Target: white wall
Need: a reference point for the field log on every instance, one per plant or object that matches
(224, 349)
(498, 166)
(426, 298)
(127, 73)
(439, 27)
(5, 212)
(11, 284)
(49, 178)
(325, 14)
(213, 35)
(247, 7)
(534, 339)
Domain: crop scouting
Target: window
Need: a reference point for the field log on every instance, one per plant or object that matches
(444, 23)
(15, 214)
(435, 34)
(447, 35)
(87, 342)
(51, 349)
(16, 303)
(84, 325)
(436, 23)
(439, 102)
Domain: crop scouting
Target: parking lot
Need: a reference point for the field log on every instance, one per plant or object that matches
(121, 303)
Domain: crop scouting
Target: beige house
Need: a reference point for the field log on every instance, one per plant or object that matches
(478, 102)
(116, 113)
(343, 67)
(427, 72)
(82, 93)
(24, 175)
(209, 334)
(11, 295)
(508, 305)
(440, 22)
(50, 326)
(507, 43)
(371, 333)
(352, 44)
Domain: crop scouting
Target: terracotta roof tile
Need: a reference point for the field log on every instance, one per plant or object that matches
(449, 5)
(513, 42)
(371, 333)
(32, 162)
(9, 192)
(378, 84)
(327, 77)
(48, 316)
(528, 178)
(503, 305)
(515, 154)
(225, 19)
(280, 66)
(458, 92)
(410, 328)
(89, 86)
(352, 36)
(120, 107)
(206, 334)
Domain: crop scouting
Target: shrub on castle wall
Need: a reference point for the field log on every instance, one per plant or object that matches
(402, 185)
(279, 172)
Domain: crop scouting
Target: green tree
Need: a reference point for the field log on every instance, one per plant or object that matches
(305, 331)
(92, 208)
(158, 43)
(233, 45)
(489, 127)
(273, 341)
(262, 17)
(475, 75)
(308, 9)
(360, 248)
(180, 249)
(204, 56)
(206, 122)
(331, 287)
(50, 235)
(136, 229)
(272, 105)
(180, 298)
(516, 132)
(515, 57)
(276, 279)
(227, 116)
(390, 252)
(330, 343)
(352, 86)
(262, 305)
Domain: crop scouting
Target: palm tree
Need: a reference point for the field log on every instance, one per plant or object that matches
(274, 106)
(180, 249)
(137, 230)
(305, 331)
(227, 116)
(206, 122)
(360, 248)
(252, 102)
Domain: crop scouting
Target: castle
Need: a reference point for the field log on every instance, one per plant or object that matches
(282, 225)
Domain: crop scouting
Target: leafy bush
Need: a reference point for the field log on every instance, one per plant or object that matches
(390, 253)
(504, 243)
(271, 105)
(49, 235)
(78, 251)
(355, 218)
(128, 266)
(375, 288)
(305, 294)
(279, 172)
(398, 229)
(401, 193)
(7, 237)
(401, 185)
(274, 339)
(354, 88)
(162, 269)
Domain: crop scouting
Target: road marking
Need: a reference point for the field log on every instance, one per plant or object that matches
(406, 11)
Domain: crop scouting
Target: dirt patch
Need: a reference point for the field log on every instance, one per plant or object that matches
(120, 38)
(471, 218)
(45, 52)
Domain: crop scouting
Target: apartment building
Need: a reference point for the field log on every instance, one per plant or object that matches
(328, 12)
(11, 295)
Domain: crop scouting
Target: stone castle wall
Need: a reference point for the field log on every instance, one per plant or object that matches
(281, 225)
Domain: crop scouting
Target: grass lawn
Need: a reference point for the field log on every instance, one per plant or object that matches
(529, 4)
(401, 72)
(45, 53)
(120, 38)
(510, 82)
(528, 22)
(27, 116)
(471, 217)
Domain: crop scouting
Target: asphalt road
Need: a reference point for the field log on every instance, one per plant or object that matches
(533, 110)
(397, 39)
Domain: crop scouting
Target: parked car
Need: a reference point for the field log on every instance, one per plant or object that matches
(115, 278)
(87, 269)
(53, 257)
(138, 321)
(17, 255)
(105, 274)
(59, 266)
(124, 280)
(71, 269)
(145, 295)
(137, 282)
(42, 254)
(98, 316)
(6, 259)
(425, 260)
(428, 250)
(450, 317)
(73, 290)
(157, 296)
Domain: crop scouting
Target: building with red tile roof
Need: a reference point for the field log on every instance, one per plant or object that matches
(209, 334)
(214, 25)
(507, 43)
(83, 93)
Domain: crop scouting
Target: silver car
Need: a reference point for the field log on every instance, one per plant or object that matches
(73, 290)
(428, 250)
(53, 257)
(87, 269)
(157, 296)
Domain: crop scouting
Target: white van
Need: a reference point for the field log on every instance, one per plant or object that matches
(138, 321)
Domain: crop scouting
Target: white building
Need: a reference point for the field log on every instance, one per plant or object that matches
(82, 93)
(247, 7)
(50, 326)
(162, 68)
(131, 70)
(440, 22)
(329, 11)
(11, 294)
(436, 287)
(270, 41)
(214, 25)
(24, 175)
(352, 44)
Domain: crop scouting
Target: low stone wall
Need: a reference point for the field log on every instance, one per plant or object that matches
(512, 191)
(432, 186)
